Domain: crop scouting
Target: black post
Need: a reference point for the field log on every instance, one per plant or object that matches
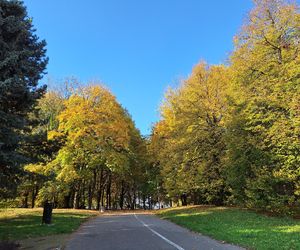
(47, 213)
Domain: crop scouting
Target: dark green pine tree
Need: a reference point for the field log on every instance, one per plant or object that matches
(23, 62)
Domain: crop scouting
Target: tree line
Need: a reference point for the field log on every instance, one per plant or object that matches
(76, 147)
(94, 155)
(230, 134)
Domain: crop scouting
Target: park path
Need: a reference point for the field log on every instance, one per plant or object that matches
(138, 231)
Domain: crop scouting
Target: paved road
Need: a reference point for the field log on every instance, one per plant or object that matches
(137, 231)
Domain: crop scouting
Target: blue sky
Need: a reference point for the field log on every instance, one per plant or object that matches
(136, 48)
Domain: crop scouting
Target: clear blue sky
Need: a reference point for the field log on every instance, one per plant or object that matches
(137, 48)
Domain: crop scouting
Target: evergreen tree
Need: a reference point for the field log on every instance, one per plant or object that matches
(22, 64)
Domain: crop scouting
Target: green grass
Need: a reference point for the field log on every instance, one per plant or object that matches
(237, 226)
(18, 223)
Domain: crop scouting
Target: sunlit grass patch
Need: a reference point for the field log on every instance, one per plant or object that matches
(21, 223)
(288, 229)
(238, 226)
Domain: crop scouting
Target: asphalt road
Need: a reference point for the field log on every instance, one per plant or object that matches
(138, 231)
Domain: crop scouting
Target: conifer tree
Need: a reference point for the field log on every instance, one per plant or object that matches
(22, 64)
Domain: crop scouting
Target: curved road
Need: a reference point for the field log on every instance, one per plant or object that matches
(138, 231)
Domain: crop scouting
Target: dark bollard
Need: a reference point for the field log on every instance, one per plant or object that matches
(47, 213)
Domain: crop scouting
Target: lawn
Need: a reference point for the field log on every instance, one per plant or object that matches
(21, 223)
(241, 227)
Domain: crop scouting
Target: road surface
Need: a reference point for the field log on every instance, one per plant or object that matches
(138, 231)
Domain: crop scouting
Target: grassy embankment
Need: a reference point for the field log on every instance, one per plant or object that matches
(19, 223)
(237, 226)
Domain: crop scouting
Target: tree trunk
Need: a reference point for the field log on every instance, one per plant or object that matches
(90, 197)
(144, 202)
(72, 195)
(82, 197)
(108, 192)
(100, 187)
(102, 197)
(76, 202)
(67, 199)
(121, 203)
(184, 199)
(133, 200)
(35, 191)
(25, 200)
(150, 202)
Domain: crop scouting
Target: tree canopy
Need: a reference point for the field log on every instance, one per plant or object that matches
(229, 134)
(22, 64)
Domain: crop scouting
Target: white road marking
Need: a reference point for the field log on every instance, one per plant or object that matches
(159, 235)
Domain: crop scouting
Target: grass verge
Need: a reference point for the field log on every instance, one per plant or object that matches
(20, 223)
(238, 226)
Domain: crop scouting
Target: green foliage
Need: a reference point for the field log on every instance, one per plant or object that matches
(23, 62)
(9, 203)
(227, 135)
(190, 138)
(99, 151)
(263, 153)
(231, 134)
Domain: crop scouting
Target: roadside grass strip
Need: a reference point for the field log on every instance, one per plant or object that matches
(238, 226)
(19, 223)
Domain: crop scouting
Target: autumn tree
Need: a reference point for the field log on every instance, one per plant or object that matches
(231, 134)
(190, 136)
(37, 148)
(101, 162)
(263, 135)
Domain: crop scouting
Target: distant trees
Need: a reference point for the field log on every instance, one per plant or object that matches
(77, 149)
(231, 134)
(101, 158)
(22, 65)
(190, 138)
